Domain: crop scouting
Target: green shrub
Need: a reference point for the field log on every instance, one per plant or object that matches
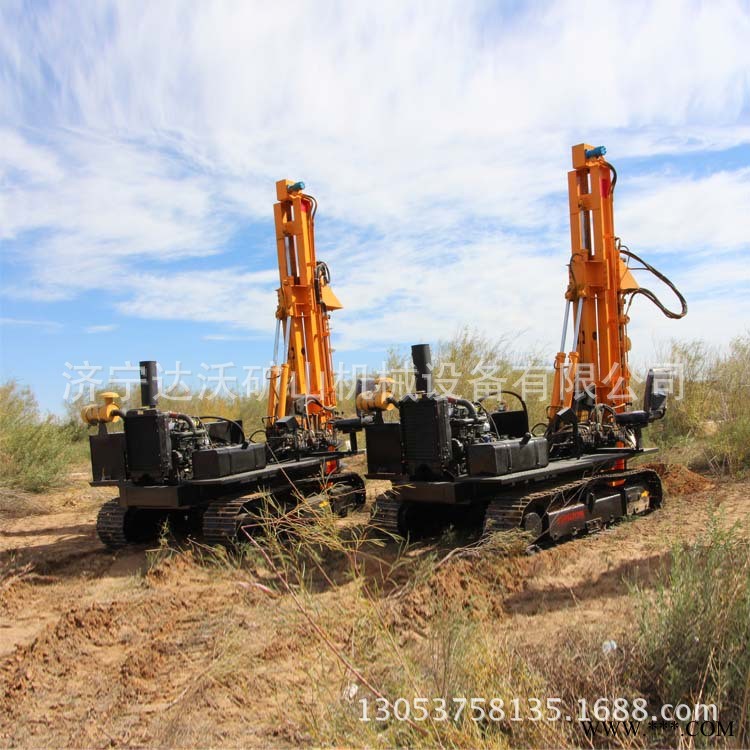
(695, 628)
(35, 451)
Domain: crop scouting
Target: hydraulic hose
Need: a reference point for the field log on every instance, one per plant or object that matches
(648, 293)
(614, 177)
(510, 393)
(315, 400)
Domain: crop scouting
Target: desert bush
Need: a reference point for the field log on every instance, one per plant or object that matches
(694, 629)
(709, 423)
(35, 451)
(728, 450)
(687, 411)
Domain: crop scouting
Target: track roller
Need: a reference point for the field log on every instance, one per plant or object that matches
(587, 504)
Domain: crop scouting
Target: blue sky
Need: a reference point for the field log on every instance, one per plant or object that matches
(140, 144)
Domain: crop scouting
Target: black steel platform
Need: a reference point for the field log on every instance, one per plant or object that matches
(469, 489)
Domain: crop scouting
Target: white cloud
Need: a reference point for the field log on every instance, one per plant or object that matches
(436, 137)
(105, 328)
(672, 213)
(50, 325)
(229, 296)
(225, 337)
(116, 205)
(716, 279)
(399, 110)
(20, 161)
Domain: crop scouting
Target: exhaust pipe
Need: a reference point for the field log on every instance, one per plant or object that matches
(149, 384)
(422, 358)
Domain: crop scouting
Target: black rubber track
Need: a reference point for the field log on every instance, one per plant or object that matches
(110, 524)
(504, 514)
(387, 516)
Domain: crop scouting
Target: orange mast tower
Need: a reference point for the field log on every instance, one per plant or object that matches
(599, 281)
(303, 385)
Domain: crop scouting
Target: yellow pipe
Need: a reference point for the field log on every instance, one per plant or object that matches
(283, 388)
(273, 396)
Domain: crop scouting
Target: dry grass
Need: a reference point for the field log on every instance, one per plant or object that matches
(709, 427)
(694, 628)
(19, 503)
(354, 602)
(353, 595)
(276, 642)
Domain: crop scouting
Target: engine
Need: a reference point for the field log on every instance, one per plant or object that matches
(443, 438)
(439, 438)
(165, 447)
(159, 448)
(446, 438)
(160, 445)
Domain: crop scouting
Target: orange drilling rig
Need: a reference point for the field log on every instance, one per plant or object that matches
(203, 469)
(302, 394)
(450, 459)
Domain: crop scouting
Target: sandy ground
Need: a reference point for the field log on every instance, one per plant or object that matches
(103, 649)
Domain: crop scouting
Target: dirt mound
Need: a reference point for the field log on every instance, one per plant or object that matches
(679, 480)
(475, 585)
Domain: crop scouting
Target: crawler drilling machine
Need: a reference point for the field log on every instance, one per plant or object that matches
(204, 469)
(450, 459)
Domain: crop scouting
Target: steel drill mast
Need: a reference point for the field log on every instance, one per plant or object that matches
(303, 384)
(599, 281)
